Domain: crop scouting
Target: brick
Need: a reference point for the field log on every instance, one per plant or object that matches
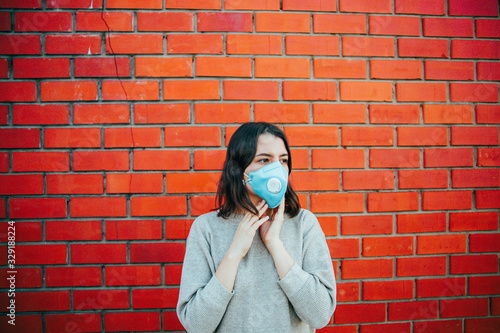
(441, 244)
(359, 313)
(383, 6)
(206, 113)
(3, 208)
(158, 206)
(132, 321)
(157, 252)
(314, 5)
(286, 67)
(484, 285)
(339, 113)
(474, 135)
(41, 68)
(394, 25)
(57, 300)
(448, 114)
(471, 8)
(365, 91)
(328, 225)
(419, 91)
(4, 162)
(146, 275)
(253, 44)
(423, 47)
(10, 138)
(473, 221)
(387, 328)
(193, 4)
(133, 229)
(73, 276)
(163, 67)
(488, 157)
(76, 4)
(420, 266)
(72, 137)
(474, 92)
(450, 308)
(132, 137)
(164, 21)
(223, 66)
(5, 21)
(253, 5)
(34, 4)
(233, 22)
(197, 43)
(488, 28)
(341, 24)
(68, 91)
(394, 158)
(100, 161)
(102, 67)
(154, 298)
(42, 21)
(344, 248)
(282, 22)
(281, 112)
(17, 92)
(104, 21)
(74, 184)
(368, 46)
(394, 114)
(487, 199)
(73, 230)
(21, 184)
(130, 90)
(101, 298)
(170, 319)
(4, 67)
(475, 49)
(414, 223)
(338, 158)
(251, 90)
(481, 324)
(73, 44)
(192, 89)
(192, 136)
(387, 246)
(412, 310)
(36, 254)
(134, 4)
(494, 305)
(27, 277)
(24, 208)
(101, 113)
(446, 287)
(449, 70)
(47, 114)
(134, 43)
(312, 136)
(462, 178)
(161, 160)
(428, 7)
(488, 71)
(368, 180)
(366, 225)
(387, 290)
(395, 69)
(312, 45)
(348, 291)
(209, 159)
(337, 202)
(26, 232)
(340, 68)
(192, 182)
(487, 114)
(20, 44)
(309, 90)
(467, 264)
(316, 180)
(161, 113)
(89, 322)
(422, 136)
(448, 27)
(448, 157)
(40, 161)
(367, 268)
(422, 179)
(446, 200)
(386, 202)
(98, 253)
(98, 207)
(367, 136)
(202, 204)
(484, 242)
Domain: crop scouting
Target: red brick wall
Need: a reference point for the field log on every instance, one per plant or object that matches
(114, 117)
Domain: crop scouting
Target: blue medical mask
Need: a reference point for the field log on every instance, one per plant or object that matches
(269, 183)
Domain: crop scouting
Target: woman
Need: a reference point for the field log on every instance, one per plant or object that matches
(251, 266)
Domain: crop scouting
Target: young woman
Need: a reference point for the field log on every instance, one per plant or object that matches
(251, 266)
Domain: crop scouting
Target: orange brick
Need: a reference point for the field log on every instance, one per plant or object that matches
(394, 114)
(130, 90)
(337, 202)
(488, 71)
(448, 114)
(444, 157)
(134, 4)
(209, 159)
(446, 200)
(161, 113)
(413, 223)
(300, 158)
(193, 4)
(447, 27)
(309, 90)
(366, 225)
(134, 43)
(312, 5)
(226, 66)
(40, 161)
(394, 25)
(367, 46)
(441, 244)
(281, 113)
(252, 5)
(390, 202)
(101, 160)
(47, 114)
(282, 22)
(18, 92)
(338, 158)
(420, 266)
(474, 135)
(365, 91)
(192, 182)
(367, 268)
(340, 68)
(282, 67)
(101, 113)
(387, 246)
(470, 8)
(206, 113)
(192, 136)
(234, 22)
(97, 21)
(134, 183)
(394, 158)
(42, 21)
(117, 137)
(449, 70)
(195, 43)
(387, 290)
(75, 184)
(160, 160)
(40, 68)
(316, 180)
(312, 135)
(367, 136)
(251, 90)
(474, 92)
(422, 179)
(382, 6)
(312, 45)
(488, 114)
(20, 44)
(428, 7)
(158, 206)
(164, 21)
(462, 178)
(475, 49)
(102, 67)
(339, 113)
(419, 91)
(192, 89)
(253, 44)
(339, 23)
(343, 247)
(422, 136)
(367, 180)
(72, 137)
(423, 47)
(161, 67)
(201, 204)
(395, 69)
(488, 157)
(97, 207)
(68, 91)
(473, 221)
(488, 28)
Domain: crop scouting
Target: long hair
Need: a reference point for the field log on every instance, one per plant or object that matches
(241, 150)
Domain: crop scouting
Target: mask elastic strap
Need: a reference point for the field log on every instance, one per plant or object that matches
(245, 181)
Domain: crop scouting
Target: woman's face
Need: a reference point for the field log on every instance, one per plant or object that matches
(269, 149)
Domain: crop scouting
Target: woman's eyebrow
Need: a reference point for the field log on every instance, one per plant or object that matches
(266, 154)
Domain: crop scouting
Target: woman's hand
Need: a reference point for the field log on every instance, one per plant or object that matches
(270, 230)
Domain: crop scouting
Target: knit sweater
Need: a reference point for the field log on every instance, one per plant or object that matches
(302, 301)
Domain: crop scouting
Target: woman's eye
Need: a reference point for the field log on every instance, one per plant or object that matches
(264, 160)
(284, 161)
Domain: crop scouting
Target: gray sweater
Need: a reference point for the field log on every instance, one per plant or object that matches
(303, 300)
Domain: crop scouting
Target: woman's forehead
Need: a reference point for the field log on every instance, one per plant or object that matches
(268, 143)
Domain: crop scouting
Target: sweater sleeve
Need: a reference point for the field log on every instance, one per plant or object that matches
(311, 289)
(202, 298)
